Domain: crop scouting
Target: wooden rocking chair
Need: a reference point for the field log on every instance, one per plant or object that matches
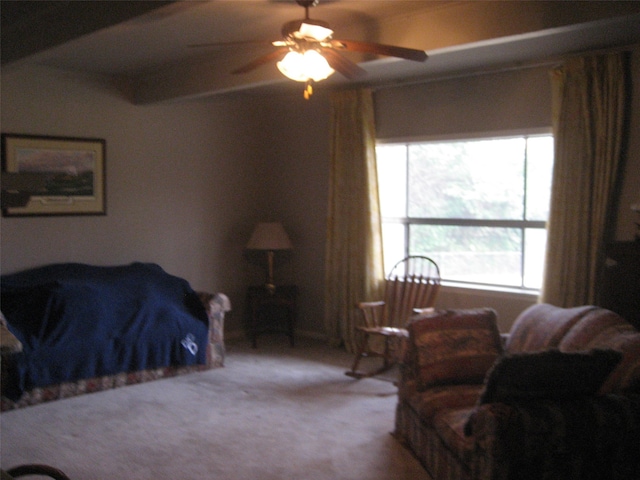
(411, 287)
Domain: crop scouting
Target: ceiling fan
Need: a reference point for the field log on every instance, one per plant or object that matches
(309, 53)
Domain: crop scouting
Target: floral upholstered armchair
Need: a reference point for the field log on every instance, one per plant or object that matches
(559, 400)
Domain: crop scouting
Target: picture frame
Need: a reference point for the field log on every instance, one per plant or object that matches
(73, 172)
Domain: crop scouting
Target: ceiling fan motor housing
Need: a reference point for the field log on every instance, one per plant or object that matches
(307, 3)
(289, 28)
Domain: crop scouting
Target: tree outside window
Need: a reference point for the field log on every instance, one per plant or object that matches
(478, 207)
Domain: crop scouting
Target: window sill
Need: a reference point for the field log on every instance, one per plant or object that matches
(492, 290)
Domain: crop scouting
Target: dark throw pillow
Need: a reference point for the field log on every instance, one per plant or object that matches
(550, 374)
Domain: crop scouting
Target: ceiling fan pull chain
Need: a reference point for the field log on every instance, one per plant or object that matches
(308, 90)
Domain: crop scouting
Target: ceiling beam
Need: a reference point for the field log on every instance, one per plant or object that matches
(521, 44)
(29, 27)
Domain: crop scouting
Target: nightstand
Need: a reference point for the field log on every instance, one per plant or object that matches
(271, 312)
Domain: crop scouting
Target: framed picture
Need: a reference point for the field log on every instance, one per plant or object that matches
(72, 170)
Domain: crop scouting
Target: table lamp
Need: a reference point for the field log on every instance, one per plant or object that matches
(269, 236)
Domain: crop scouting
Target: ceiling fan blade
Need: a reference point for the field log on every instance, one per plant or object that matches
(342, 64)
(227, 44)
(380, 49)
(258, 62)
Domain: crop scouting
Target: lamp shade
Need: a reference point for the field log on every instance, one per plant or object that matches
(269, 236)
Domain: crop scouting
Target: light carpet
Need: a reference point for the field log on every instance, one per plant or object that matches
(275, 412)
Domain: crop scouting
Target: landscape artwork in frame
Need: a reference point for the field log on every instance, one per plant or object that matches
(73, 169)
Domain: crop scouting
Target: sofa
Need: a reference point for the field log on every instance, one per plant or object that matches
(82, 328)
(558, 397)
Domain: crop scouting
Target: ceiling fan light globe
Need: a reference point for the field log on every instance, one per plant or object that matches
(302, 67)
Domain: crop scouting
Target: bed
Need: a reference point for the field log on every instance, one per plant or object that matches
(83, 328)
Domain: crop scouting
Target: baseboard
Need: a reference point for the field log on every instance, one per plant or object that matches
(238, 335)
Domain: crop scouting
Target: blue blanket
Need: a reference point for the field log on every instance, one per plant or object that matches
(79, 321)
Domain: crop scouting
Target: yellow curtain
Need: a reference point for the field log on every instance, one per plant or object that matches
(589, 96)
(354, 263)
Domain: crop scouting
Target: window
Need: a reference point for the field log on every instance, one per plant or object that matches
(477, 207)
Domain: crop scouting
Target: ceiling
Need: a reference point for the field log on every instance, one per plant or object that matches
(146, 47)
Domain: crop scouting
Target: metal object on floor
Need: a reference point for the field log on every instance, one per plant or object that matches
(33, 469)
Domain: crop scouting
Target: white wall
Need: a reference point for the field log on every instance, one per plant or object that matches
(484, 103)
(298, 184)
(186, 182)
(179, 180)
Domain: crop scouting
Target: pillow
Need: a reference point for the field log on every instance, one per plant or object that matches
(549, 374)
(453, 346)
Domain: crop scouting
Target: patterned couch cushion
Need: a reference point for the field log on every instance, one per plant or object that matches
(453, 346)
(596, 329)
(601, 328)
(450, 427)
(625, 378)
(542, 326)
(444, 397)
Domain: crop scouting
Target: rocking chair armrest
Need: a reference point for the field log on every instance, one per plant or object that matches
(364, 305)
(423, 311)
(373, 313)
